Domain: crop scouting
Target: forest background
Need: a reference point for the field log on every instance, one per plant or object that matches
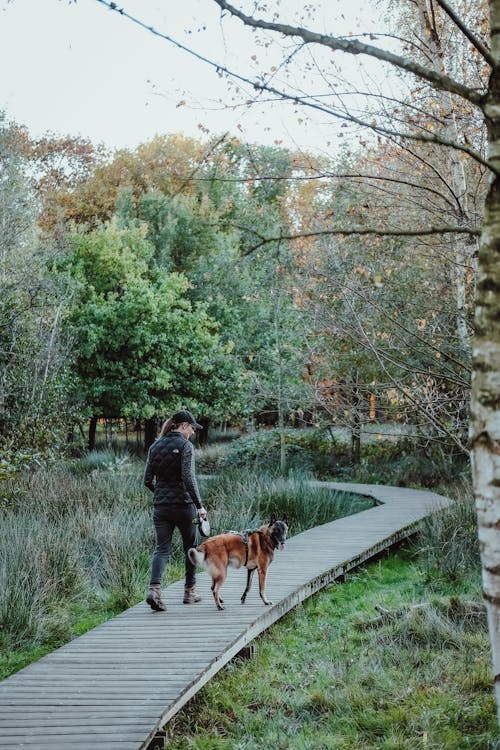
(138, 283)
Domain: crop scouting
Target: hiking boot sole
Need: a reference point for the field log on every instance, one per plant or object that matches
(156, 604)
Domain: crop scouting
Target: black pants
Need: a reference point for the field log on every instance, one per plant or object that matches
(166, 518)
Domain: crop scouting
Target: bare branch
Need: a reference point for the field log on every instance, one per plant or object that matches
(380, 231)
(308, 101)
(473, 39)
(353, 47)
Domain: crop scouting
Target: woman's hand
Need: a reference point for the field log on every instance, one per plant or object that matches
(202, 512)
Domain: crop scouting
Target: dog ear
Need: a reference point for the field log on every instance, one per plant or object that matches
(273, 519)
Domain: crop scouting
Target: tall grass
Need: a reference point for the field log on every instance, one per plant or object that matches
(69, 537)
(81, 532)
(241, 499)
(447, 544)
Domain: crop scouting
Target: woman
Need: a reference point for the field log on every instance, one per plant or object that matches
(171, 477)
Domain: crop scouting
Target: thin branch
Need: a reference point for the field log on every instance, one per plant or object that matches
(353, 47)
(473, 39)
(326, 175)
(361, 231)
(304, 100)
(191, 176)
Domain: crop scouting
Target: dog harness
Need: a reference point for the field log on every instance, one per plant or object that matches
(243, 535)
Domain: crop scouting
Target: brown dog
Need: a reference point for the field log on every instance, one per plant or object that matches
(252, 549)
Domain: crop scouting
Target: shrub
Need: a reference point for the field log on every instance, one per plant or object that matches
(307, 450)
(209, 459)
(400, 461)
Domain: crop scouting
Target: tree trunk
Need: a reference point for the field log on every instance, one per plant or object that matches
(202, 435)
(355, 422)
(149, 433)
(92, 431)
(485, 428)
(454, 172)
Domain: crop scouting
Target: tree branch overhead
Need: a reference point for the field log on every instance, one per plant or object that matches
(354, 47)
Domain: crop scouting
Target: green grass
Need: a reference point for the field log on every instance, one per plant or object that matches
(335, 674)
(77, 542)
(74, 620)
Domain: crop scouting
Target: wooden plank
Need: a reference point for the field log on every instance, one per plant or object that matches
(110, 689)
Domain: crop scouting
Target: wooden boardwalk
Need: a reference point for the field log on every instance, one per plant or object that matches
(116, 686)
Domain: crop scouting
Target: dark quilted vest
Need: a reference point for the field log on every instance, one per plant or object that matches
(165, 462)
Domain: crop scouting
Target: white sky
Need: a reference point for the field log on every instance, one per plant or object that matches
(77, 68)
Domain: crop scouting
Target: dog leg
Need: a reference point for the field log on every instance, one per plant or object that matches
(262, 585)
(212, 588)
(217, 582)
(249, 583)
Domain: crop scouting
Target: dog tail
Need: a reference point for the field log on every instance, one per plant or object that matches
(196, 557)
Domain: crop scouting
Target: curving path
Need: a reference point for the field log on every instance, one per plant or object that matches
(115, 687)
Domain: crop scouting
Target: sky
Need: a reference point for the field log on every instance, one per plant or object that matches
(77, 68)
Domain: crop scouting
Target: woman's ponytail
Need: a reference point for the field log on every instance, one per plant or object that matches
(167, 426)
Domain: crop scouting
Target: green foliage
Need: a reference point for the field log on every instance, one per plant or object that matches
(306, 450)
(142, 348)
(402, 461)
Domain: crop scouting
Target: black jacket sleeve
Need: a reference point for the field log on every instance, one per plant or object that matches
(188, 475)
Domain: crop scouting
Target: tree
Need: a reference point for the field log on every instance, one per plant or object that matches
(34, 356)
(383, 308)
(476, 86)
(201, 225)
(485, 97)
(142, 348)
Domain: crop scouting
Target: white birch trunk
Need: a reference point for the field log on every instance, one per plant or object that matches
(485, 402)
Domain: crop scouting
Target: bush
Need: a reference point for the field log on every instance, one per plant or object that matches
(209, 459)
(308, 451)
(401, 461)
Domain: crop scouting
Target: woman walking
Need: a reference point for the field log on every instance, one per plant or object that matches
(170, 475)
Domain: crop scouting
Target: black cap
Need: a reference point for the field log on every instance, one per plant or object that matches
(185, 416)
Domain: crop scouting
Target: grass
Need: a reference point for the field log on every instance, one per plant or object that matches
(335, 675)
(77, 542)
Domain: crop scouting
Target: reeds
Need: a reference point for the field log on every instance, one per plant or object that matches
(82, 532)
